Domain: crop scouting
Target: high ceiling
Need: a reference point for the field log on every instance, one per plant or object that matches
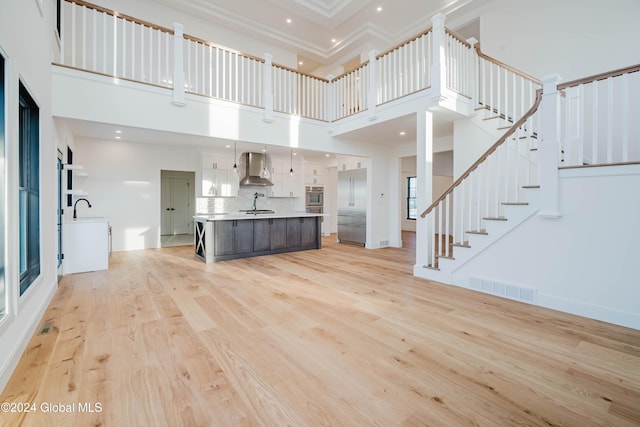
(325, 32)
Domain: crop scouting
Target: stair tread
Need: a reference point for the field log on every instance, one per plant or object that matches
(464, 244)
(431, 267)
(494, 117)
(515, 203)
(495, 218)
(531, 186)
(481, 232)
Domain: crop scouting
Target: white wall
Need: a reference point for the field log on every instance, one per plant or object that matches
(26, 40)
(124, 185)
(572, 38)
(585, 262)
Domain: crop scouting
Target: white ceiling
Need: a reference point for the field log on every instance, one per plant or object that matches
(356, 25)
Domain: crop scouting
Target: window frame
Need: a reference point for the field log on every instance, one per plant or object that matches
(411, 197)
(28, 188)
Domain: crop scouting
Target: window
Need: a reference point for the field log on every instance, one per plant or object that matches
(412, 209)
(2, 190)
(29, 191)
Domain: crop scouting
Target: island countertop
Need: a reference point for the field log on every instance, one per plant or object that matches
(248, 215)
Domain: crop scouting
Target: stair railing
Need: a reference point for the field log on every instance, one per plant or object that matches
(481, 191)
(598, 119)
(503, 92)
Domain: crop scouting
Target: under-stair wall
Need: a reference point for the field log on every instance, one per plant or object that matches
(585, 262)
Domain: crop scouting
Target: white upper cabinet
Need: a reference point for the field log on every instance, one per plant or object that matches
(218, 177)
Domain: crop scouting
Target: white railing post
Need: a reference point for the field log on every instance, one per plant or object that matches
(439, 66)
(331, 98)
(475, 74)
(372, 98)
(548, 148)
(178, 65)
(267, 88)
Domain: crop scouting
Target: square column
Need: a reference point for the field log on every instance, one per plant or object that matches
(424, 183)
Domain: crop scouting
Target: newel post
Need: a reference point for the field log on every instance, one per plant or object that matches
(549, 147)
(374, 77)
(439, 67)
(475, 72)
(267, 88)
(178, 65)
(331, 99)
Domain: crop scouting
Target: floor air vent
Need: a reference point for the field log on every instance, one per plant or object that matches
(505, 290)
(46, 328)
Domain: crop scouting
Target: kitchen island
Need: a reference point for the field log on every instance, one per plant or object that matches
(220, 237)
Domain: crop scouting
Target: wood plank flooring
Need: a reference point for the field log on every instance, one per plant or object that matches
(340, 336)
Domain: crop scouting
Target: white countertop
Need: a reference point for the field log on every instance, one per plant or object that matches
(86, 219)
(243, 215)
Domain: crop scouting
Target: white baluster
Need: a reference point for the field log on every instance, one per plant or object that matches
(73, 35)
(594, 121)
(625, 117)
(94, 52)
(580, 125)
(143, 32)
(610, 120)
(133, 50)
(446, 219)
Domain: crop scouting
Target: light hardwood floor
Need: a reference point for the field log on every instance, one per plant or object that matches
(341, 336)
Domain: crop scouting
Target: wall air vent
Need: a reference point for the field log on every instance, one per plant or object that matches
(504, 290)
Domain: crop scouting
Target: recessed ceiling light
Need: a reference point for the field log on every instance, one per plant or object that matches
(402, 133)
(300, 63)
(228, 146)
(118, 131)
(333, 40)
(117, 137)
(327, 155)
(288, 20)
(379, 9)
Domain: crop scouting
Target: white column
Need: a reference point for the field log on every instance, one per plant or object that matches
(373, 85)
(439, 67)
(548, 147)
(178, 65)
(267, 88)
(424, 182)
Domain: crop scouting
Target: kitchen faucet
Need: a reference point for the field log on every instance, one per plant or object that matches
(255, 199)
(74, 206)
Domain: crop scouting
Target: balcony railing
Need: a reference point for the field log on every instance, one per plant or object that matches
(102, 41)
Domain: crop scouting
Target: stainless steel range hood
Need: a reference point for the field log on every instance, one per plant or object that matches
(253, 164)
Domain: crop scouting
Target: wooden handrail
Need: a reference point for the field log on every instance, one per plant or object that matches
(458, 37)
(503, 65)
(217, 46)
(283, 67)
(425, 32)
(364, 64)
(490, 151)
(601, 76)
(120, 15)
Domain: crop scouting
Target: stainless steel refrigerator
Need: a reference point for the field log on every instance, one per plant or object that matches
(352, 206)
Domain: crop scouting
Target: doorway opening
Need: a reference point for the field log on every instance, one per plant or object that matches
(177, 207)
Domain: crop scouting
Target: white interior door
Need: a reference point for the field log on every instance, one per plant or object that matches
(180, 206)
(176, 207)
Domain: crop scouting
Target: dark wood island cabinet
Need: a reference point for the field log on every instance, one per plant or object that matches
(223, 237)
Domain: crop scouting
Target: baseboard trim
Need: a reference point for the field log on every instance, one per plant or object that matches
(604, 314)
(20, 345)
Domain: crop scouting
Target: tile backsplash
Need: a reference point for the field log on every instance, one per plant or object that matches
(210, 205)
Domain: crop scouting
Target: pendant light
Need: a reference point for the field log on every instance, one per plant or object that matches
(291, 170)
(266, 174)
(235, 159)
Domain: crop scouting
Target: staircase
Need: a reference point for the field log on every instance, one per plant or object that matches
(517, 178)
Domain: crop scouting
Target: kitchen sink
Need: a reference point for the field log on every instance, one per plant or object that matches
(257, 211)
